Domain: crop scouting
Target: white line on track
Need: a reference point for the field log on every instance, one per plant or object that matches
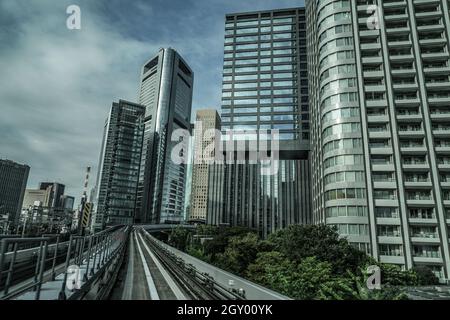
(175, 289)
(127, 292)
(151, 284)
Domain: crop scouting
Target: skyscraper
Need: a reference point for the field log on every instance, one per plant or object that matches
(206, 120)
(68, 202)
(13, 181)
(379, 81)
(166, 92)
(265, 87)
(32, 196)
(119, 165)
(55, 193)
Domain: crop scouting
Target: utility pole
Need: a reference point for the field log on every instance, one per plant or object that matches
(24, 225)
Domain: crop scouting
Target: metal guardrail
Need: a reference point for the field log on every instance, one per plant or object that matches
(92, 252)
(40, 262)
(103, 246)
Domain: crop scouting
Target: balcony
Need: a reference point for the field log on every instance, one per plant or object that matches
(446, 197)
(426, 252)
(427, 258)
(441, 131)
(422, 220)
(408, 114)
(407, 69)
(432, 41)
(390, 238)
(413, 148)
(445, 180)
(427, 235)
(392, 259)
(417, 181)
(412, 131)
(415, 166)
(388, 221)
(431, 26)
(405, 85)
(434, 55)
(440, 114)
(395, 16)
(419, 198)
(443, 162)
(436, 69)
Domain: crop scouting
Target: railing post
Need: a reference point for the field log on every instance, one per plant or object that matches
(85, 277)
(95, 254)
(36, 270)
(2, 255)
(102, 259)
(80, 254)
(76, 251)
(62, 293)
(55, 257)
(109, 250)
(41, 271)
(11, 269)
(100, 240)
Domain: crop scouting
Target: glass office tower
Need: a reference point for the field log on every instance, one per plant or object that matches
(119, 165)
(56, 193)
(265, 87)
(380, 126)
(265, 82)
(13, 181)
(166, 92)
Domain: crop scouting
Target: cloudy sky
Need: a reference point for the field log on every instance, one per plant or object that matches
(57, 85)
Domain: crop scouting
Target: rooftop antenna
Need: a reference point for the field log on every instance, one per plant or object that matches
(83, 202)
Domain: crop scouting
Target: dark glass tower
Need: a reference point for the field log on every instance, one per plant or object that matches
(119, 165)
(56, 193)
(166, 92)
(13, 181)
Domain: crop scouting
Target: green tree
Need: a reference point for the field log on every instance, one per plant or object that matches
(207, 230)
(301, 241)
(240, 252)
(197, 253)
(220, 242)
(359, 290)
(393, 275)
(179, 238)
(309, 280)
(425, 276)
(272, 269)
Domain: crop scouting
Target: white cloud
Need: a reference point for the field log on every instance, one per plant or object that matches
(57, 87)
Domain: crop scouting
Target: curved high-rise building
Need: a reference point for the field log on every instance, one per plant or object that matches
(379, 88)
